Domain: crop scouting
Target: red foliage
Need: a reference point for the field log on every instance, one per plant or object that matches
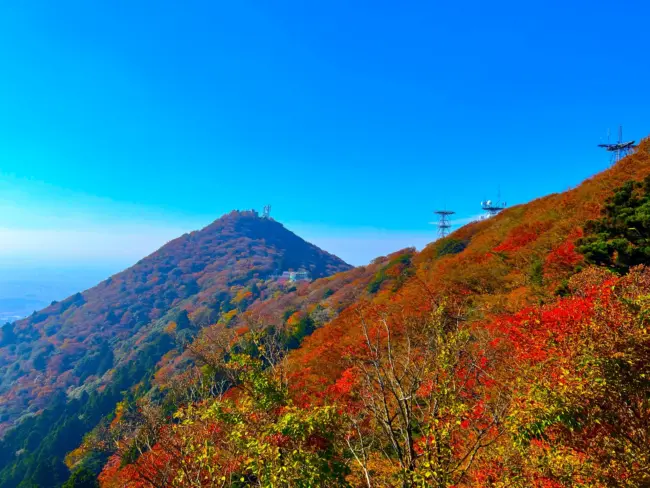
(521, 236)
(562, 259)
(534, 332)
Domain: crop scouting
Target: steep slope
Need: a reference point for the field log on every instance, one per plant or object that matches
(497, 346)
(106, 339)
(302, 308)
(520, 257)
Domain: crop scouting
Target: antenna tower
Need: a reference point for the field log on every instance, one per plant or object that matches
(266, 212)
(493, 207)
(443, 222)
(618, 149)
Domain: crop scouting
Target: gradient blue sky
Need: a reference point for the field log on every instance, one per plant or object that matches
(126, 123)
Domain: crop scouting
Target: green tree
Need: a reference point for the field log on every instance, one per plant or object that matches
(183, 320)
(621, 238)
(82, 478)
(7, 334)
(49, 473)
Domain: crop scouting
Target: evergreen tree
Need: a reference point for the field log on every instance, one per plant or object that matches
(621, 238)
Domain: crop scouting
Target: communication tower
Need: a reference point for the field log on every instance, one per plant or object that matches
(618, 149)
(266, 212)
(443, 222)
(493, 207)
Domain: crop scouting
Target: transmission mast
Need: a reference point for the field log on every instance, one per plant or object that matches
(266, 212)
(443, 222)
(618, 149)
(493, 207)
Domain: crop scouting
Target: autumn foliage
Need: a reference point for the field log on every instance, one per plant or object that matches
(496, 358)
(553, 396)
(513, 353)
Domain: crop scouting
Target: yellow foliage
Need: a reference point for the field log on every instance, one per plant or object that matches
(228, 316)
(242, 295)
(171, 327)
(74, 457)
(119, 411)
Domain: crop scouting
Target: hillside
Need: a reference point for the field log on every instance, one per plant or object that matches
(80, 353)
(520, 258)
(514, 352)
(298, 311)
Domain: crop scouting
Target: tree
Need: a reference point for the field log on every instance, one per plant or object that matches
(50, 472)
(7, 334)
(82, 478)
(253, 435)
(581, 389)
(417, 403)
(183, 320)
(621, 238)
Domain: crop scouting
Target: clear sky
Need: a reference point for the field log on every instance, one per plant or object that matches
(124, 123)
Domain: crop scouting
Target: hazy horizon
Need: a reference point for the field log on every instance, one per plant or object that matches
(30, 281)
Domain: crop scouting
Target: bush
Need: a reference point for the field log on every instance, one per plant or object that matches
(450, 246)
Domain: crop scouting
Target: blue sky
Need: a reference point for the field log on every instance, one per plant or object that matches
(126, 123)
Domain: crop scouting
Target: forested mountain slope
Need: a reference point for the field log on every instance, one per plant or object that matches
(73, 358)
(521, 257)
(514, 352)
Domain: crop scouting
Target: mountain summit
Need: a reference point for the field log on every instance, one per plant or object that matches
(78, 345)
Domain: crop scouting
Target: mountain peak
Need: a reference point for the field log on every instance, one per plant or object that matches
(59, 345)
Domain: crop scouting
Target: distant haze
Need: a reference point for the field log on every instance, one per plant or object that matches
(32, 274)
(26, 289)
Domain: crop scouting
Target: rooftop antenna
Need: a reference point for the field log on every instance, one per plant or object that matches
(618, 149)
(494, 207)
(266, 212)
(443, 222)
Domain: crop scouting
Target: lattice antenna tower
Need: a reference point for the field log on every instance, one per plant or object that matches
(443, 222)
(266, 212)
(618, 149)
